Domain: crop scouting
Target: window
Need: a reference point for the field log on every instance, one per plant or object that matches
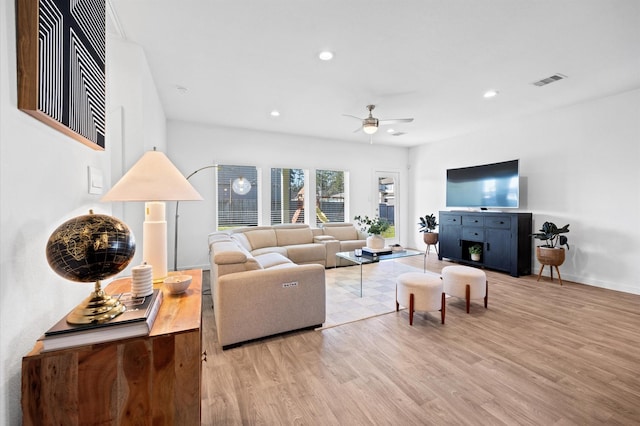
(237, 196)
(287, 196)
(329, 196)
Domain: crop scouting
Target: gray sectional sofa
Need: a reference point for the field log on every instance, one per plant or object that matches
(267, 280)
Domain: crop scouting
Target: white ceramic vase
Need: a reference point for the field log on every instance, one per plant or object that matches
(375, 242)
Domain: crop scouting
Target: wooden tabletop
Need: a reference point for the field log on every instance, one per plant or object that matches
(178, 313)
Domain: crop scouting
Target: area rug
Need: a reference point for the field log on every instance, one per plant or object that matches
(344, 303)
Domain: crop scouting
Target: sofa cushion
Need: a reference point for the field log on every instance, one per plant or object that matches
(269, 260)
(242, 240)
(288, 237)
(261, 238)
(307, 253)
(352, 245)
(266, 250)
(342, 233)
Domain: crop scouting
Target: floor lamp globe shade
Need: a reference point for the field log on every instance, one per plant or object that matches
(241, 186)
(90, 248)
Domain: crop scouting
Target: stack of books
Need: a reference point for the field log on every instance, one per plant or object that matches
(366, 251)
(136, 321)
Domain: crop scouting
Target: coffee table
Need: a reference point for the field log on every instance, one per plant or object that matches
(363, 260)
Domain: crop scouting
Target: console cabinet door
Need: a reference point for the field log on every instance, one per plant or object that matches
(449, 236)
(497, 249)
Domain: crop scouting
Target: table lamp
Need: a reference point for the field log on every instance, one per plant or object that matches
(153, 179)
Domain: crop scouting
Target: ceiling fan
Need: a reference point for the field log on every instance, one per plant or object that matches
(370, 124)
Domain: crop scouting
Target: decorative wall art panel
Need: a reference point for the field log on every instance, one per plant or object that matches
(61, 66)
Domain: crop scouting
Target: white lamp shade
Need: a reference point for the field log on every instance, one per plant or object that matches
(152, 178)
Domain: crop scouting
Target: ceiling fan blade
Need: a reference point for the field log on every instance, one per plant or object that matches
(358, 129)
(353, 116)
(394, 121)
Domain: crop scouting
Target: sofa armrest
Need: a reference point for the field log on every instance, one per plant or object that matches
(253, 304)
(332, 247)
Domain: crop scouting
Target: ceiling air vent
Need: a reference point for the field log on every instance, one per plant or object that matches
(549, 80)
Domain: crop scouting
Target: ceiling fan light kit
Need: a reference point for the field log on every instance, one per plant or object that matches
(370, 124)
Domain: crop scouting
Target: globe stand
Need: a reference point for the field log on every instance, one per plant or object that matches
(98, 308)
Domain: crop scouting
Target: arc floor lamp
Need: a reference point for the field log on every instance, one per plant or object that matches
(175, 239)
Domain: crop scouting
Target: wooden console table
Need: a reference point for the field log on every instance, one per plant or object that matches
(153, 379)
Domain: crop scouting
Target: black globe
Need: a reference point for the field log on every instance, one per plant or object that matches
(90, 248)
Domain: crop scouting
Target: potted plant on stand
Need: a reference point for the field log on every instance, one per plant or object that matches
(475, 251)
(551, 252)
(374, 227)
(426, 225)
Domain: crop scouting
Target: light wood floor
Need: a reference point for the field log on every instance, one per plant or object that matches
(540, 355)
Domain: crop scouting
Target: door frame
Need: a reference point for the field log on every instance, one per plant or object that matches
(377, 174)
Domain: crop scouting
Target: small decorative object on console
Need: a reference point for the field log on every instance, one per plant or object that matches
(177, 284)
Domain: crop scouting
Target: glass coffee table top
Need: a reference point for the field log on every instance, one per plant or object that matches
(364, 259)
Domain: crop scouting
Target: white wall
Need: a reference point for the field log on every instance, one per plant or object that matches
(579, 165)
(192, 146)
(43, 182)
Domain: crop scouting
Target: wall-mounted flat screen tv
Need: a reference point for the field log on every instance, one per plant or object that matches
(495, 185)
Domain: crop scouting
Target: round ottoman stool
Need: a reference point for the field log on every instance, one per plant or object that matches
(465, 282)
(419, 292)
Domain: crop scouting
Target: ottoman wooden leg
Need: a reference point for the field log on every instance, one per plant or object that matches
(411, 309)
(443, 307)
(486, 295)
(397, 304)
(467, 293)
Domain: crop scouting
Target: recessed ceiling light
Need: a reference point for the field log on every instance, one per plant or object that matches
(325, 55)
(181, 89)
(490, 93)
(390, 130)
(275, 113)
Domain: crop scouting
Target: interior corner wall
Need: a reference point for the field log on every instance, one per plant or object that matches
(192, 146)
(578, 165)
(44, 182)
(137, 122)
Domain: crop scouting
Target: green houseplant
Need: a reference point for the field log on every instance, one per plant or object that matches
(550, 234)
(426, 225)
(374, 226)
(475, 251)
(551, 252)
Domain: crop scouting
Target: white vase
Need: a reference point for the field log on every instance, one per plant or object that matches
(375, 242)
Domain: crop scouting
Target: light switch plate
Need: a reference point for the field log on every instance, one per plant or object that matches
(95, 180)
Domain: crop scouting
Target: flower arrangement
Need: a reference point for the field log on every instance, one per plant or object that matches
(373, 226)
